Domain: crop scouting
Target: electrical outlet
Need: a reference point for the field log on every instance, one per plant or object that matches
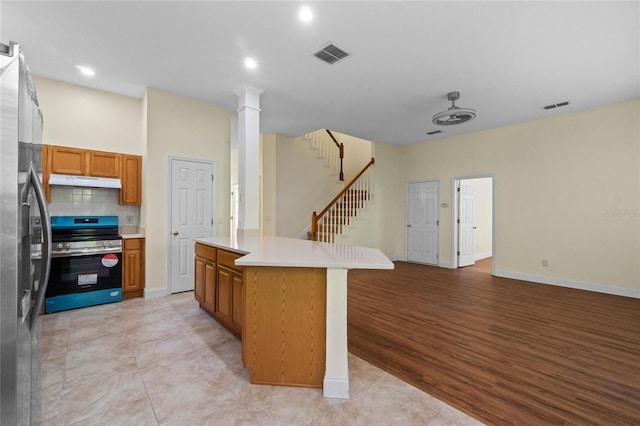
(545, 262)
(129, 219)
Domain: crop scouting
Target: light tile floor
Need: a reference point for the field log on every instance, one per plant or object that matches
(164, 361)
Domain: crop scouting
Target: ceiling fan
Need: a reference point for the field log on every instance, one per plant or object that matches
(454, 115)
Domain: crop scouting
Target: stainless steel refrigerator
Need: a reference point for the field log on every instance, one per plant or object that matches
(25, 241)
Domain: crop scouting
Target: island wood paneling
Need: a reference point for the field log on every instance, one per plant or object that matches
(504, 351)
(283, 339)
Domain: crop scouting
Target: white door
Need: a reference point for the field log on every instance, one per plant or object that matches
(466, 215)
(422, 222)
(191, 217)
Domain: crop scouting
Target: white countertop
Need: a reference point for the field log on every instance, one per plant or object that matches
(129, 236)
(281, 251)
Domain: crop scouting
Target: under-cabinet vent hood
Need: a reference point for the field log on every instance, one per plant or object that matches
(89, 181)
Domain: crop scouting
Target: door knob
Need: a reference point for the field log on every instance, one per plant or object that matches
(175, 232)
(408, 226)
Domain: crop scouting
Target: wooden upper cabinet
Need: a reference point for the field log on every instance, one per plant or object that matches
(131, 177)
(83, 162)
(104, 164)
(68, 161)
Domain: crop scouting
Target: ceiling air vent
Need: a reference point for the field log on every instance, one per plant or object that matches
(558, 105)
(330, 54)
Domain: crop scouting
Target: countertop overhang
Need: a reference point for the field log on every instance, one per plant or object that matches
(291, 252)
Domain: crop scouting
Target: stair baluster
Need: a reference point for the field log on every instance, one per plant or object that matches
(338, 213)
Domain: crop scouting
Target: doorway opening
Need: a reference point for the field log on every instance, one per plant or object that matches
(474, 222)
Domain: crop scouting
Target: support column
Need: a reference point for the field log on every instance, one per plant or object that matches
(248, 160)
(336, 374)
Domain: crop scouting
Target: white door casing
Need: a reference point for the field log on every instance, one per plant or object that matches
(466, 215)
(422, 222)
(191, 216)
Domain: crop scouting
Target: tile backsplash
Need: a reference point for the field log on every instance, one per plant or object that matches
(76, 201)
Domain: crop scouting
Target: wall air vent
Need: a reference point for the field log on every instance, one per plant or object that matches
(330, 54)
(558, 105)
(435, 132)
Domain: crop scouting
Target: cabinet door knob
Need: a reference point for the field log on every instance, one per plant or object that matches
(175, 233)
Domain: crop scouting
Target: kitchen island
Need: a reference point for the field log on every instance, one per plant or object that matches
(293, 303)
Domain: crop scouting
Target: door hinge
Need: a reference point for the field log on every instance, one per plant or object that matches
(458, 189)
(212, 221)
(211, 178)
(458, 253)
(458, 220)
(437, 223)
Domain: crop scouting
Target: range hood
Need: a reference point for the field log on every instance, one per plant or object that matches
(88, 181)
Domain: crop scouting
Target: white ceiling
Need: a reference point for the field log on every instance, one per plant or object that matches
(508, 59)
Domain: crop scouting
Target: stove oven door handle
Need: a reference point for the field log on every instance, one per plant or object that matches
(46, 244)
(86, 251)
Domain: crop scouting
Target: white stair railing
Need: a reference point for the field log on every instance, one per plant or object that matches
(345, 207)
(328, 149)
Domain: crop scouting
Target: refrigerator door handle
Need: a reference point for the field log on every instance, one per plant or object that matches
(46, 244)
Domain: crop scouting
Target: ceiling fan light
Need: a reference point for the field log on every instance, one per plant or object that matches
(454, 115)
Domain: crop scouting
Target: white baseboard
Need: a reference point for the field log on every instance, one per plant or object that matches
(447, 265)
(150, 293)
(335, 387)
(599, 288)
(480, 256)
(398, 259)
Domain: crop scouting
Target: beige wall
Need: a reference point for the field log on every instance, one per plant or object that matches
(381, 224)
(186, 128)
(566, 189)
(80, 117)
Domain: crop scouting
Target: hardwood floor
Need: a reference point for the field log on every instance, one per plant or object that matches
(501, 350)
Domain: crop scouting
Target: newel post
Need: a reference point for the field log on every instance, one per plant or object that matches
(314, 224)
(341, 157)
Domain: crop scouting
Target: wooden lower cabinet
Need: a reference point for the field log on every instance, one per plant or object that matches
(237, 302)
(218, 286)
(132, 268)
(205, 277)
(278, 312)
(284, 333)
(223, 301)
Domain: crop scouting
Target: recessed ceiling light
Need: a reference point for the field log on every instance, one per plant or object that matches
(305, 14)
(250, 63)
(86, 70)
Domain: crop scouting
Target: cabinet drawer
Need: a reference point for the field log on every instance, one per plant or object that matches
(132, 243)
(207, 252)
(227, 259)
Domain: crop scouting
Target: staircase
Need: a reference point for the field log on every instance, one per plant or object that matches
(341, 216)
(344, 208)
(325, 143)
